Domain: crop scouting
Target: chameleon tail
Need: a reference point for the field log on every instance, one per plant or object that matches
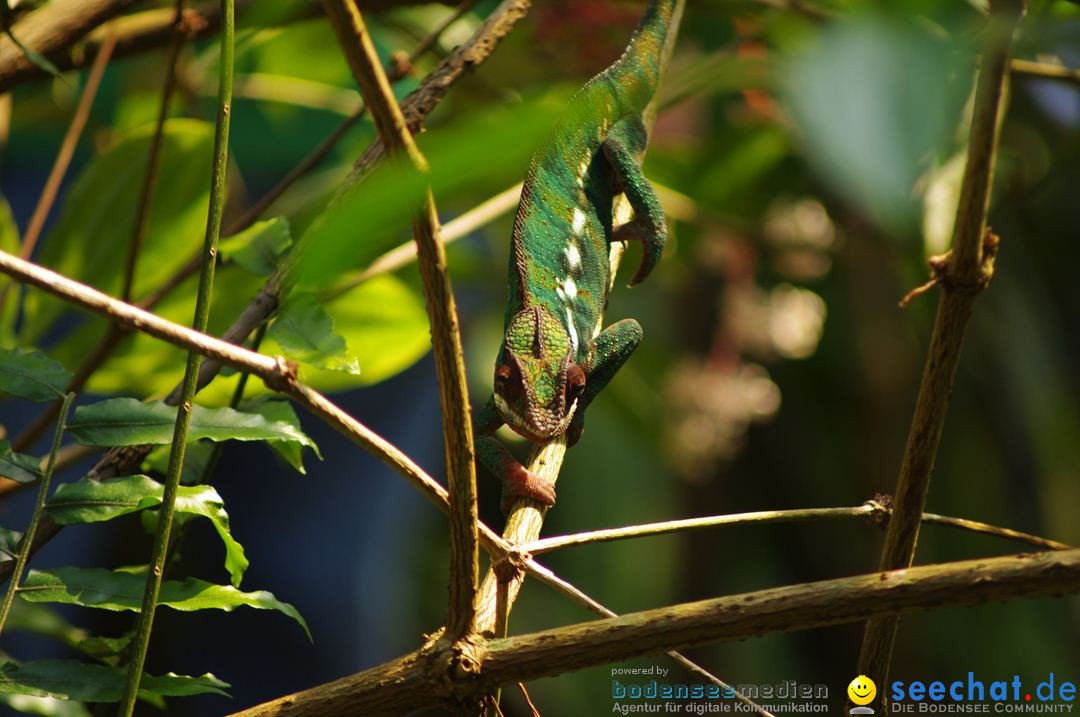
(639, 69)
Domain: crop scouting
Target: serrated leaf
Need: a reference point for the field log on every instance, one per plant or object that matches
(31, 375)
(273, 410)
(17, 466)
(259, 247)
(305, 332)
(91, 501)
(116, 590)
(128, 422)
(73, 680)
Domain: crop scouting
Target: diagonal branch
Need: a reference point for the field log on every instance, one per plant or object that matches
(359, 50)
(426, 678)
(962, 277)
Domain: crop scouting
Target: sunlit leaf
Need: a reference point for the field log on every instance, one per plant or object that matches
(127, 422)
(117, 590)
(305, 332)
(94, 230)
(375, 214)
(44, 706)
(196, 458)
(259, 247)
(9, 242)
(91, 501)
(874, 100)
(16, 466)
(30, 375)
(73, 680)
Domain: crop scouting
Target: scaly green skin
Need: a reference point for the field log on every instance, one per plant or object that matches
(552, 363)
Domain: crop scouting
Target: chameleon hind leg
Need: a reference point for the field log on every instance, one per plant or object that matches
(623, 148)
(517, 481)
(609, 352)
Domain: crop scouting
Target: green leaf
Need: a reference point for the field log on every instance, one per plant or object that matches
(91, 501)
(73, 680)
(44, 706)
(94, 229)
(128, 422)
(196, 458)
(379, 208)
(30, 375)
(281, 411)
(9, 242)
(259, 247)
(116, 590)
(17, 466)
(305, 332)
(9, 543)
(385, 325)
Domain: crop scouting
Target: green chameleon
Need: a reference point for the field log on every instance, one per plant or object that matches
(552, 363)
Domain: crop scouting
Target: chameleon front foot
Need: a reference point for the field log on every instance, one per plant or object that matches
(521, 483)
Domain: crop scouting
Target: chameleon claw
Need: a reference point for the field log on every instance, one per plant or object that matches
(524, 484)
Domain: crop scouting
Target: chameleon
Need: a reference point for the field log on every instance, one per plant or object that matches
(553, 361)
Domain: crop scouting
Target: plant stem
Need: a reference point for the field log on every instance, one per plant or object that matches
(966, 273)
(141, 642)
(360, 52)
(39, 507)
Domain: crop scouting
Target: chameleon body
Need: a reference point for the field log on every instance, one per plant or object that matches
(552, 362)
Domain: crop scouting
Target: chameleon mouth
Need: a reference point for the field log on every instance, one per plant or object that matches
(533, 425)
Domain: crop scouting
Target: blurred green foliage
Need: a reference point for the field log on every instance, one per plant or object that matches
(810, 166)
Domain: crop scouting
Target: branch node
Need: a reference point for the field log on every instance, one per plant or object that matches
(510, 567)
(943, 273)
(285, 378)
(881, 510)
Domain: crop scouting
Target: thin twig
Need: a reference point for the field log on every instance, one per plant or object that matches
(872, 510)
(425, 678)
(968, 271)
(1046, 70)
(63, 159)
(39, 507)
(360, 52)
(167, 511)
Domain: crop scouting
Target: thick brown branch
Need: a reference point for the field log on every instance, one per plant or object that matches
(50, 28)
(442, 314)
(966, 273)
(425, 679)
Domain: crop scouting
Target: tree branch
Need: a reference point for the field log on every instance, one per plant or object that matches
(48, 29)
(360, 52)
(426, 678)
(962, 277)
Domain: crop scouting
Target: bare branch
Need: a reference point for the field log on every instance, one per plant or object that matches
(420, 679)
(360, 52)
(967, 272)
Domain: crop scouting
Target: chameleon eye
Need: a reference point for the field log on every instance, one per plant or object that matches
(507, 382)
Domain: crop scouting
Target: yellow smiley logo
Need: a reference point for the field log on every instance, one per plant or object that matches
(862, 690)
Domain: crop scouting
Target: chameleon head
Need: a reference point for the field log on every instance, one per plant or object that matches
(537, 383)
